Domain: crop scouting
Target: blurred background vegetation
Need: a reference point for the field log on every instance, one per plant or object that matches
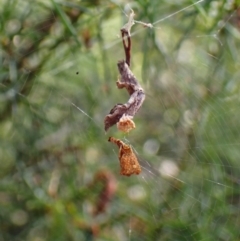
(59, 177)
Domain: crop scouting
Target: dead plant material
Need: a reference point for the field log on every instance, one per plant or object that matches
(128, 160)
(127, 80)
(136, 92)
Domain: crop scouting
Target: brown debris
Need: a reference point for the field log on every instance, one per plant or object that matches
(136, 92)
(127, 80)
(122, 114)
(128, 160)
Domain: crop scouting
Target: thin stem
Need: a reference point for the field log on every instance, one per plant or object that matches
(127, 46)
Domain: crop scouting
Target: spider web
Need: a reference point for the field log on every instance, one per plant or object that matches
(54, 148)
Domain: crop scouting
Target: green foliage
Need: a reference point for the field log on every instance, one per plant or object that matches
(57, 80)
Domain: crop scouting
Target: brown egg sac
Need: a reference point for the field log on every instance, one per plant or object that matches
(128, 160)
(126, 124)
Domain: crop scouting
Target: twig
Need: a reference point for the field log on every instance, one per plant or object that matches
(125, 30)
(127, 47)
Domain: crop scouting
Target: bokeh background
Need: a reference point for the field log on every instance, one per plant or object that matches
(59, 176)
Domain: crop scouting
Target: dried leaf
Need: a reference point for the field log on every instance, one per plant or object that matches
(128, 160)
(136, 92)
